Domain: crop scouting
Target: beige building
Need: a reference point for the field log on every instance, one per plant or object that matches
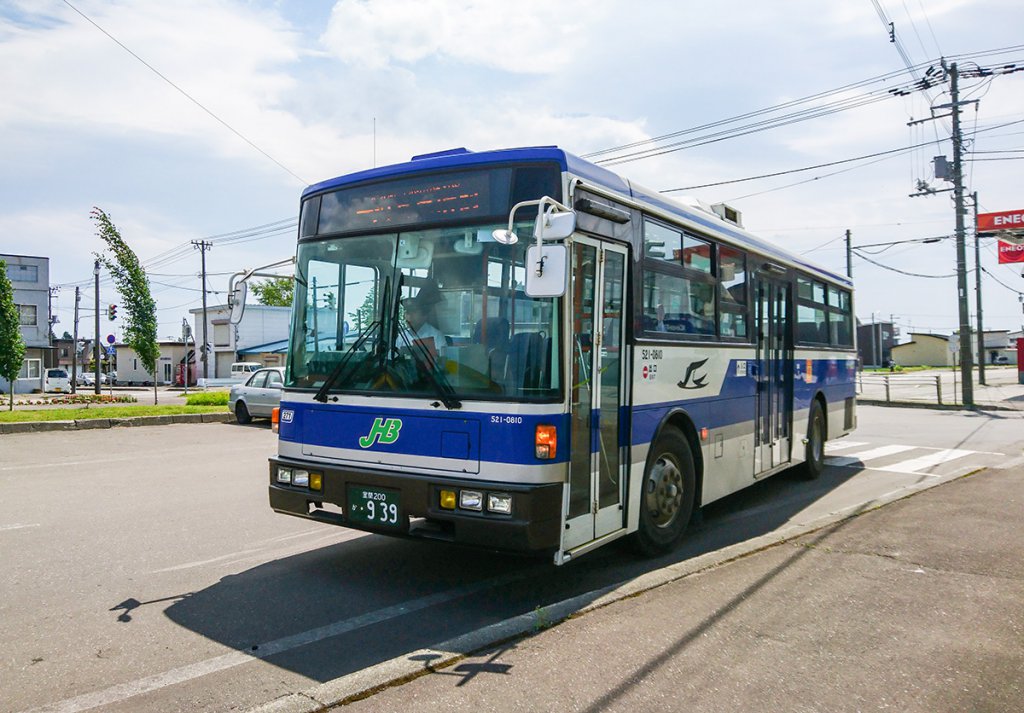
(924, 349)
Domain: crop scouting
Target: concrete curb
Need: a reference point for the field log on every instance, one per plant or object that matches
(83, 424)
(936, 407)
(402, 669)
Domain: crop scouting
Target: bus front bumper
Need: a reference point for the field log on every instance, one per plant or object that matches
(533, 526)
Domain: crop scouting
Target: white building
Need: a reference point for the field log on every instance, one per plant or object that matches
(30, 278)
(131, 372)
(260, 324)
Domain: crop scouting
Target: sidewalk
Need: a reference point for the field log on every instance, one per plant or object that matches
(915, 606)
(1002, 391)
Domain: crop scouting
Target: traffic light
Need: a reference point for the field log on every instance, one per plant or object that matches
(112, 312)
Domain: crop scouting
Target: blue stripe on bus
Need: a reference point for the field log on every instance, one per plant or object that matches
(498, 438)
(463, 435)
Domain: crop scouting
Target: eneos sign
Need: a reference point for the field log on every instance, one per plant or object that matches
(1010, 251)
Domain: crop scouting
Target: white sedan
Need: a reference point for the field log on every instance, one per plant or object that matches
(259, 395)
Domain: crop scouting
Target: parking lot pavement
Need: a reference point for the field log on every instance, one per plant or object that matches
(915, 606)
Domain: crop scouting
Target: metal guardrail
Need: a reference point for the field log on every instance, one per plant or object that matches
(893, 382)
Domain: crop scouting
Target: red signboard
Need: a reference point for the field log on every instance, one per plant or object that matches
(1010, 252)
(1006, 220)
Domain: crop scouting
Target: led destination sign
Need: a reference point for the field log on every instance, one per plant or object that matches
(426, 200)
(407, 202)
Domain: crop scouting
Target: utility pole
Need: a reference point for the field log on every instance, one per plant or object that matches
(966, 361)
(50, 321)
(202, 246)
(849, 255)
(74, 346)
(977, 290)
(96, 345)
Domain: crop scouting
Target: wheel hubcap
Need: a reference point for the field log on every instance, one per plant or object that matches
(664, 492)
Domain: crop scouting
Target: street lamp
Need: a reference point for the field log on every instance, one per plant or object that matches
(96, 345)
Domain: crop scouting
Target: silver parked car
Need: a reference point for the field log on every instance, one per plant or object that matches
(259, 395)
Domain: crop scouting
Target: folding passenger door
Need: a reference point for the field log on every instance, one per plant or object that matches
(598, 464)
(773, 424)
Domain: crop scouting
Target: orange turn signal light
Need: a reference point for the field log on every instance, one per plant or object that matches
(275, 419)
(546, 442)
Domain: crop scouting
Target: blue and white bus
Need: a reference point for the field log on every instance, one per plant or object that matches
(521, 350)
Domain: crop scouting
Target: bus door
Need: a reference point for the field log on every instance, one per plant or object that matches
(773, 424)
(598, 463)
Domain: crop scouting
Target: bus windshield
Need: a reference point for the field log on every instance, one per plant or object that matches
(437, 313)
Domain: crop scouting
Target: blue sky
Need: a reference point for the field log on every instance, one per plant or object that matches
(326, 88)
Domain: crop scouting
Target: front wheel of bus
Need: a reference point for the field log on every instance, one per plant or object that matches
(668, 493)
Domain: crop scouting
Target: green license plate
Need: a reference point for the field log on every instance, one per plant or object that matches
(373, 506)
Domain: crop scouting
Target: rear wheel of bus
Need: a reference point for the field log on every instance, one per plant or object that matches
(668, 493)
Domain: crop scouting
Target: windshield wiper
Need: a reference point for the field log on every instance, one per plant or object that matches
(336, 373)
(422, 355)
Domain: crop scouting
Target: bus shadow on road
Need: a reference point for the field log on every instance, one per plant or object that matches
(338, 609)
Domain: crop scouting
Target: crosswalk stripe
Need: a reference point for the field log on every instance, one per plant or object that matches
(842, 445)
(862, 456)
(916, 465)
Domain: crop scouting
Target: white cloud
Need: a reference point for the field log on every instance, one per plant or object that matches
(528, 36)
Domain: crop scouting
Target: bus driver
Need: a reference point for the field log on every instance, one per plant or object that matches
(421, 317)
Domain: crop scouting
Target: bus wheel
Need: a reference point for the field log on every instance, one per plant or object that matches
(242, 413)
(814, 457)
(668, 492)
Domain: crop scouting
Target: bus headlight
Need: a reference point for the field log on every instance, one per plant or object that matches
(471, 500)
(500, 503)
(300, 478)
(284, 475)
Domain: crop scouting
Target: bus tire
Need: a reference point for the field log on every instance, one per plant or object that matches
(814, 455)
(666, 500)
(242, 413)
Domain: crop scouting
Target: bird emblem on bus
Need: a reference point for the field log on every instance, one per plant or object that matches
(693, 380)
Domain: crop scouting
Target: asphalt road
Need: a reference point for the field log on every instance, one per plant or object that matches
(145, 571)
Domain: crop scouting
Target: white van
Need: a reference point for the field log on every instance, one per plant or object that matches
(242, 370)
(56, 380)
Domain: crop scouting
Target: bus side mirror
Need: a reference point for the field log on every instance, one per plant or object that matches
(546, 270)
(554, 226)
(236, 300)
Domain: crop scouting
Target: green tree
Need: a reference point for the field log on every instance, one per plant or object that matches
(12, 346)
(137, 303)
(274, 293)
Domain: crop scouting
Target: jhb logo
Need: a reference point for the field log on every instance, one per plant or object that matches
(384, 430)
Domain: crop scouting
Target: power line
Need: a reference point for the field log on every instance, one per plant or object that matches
(188, 96)
(902, 272)
(986, 271)
(799, 170)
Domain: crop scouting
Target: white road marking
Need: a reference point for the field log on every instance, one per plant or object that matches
(916, 465)
(5, 528)
(843, 444)
(862, 456)
(130, 689)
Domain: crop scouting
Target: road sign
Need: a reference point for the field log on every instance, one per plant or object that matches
(110, 339)
(110, 350)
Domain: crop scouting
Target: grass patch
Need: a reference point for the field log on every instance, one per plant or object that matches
(208, 398)
(74, 414)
